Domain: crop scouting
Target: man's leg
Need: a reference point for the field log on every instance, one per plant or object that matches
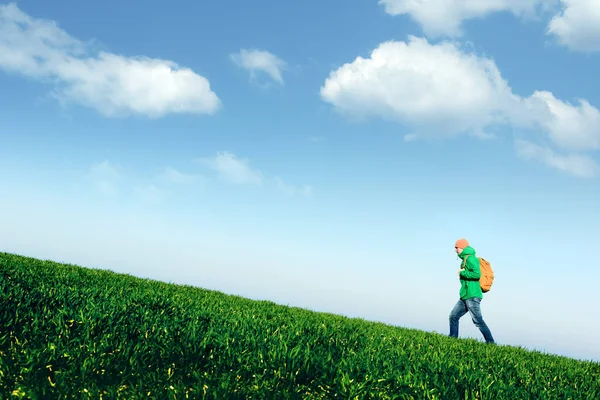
(474, 307)
(457, 312)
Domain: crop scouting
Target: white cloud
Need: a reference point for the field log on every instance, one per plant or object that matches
(578, 25)
(255, 60)
(150, 193)
(436, 89)
(307, 190)
(442, 90)
(173, 175)
(445, 17)
(105, 177)
(569, 126)
(575, 164)
(111, 180)
(110, 83)
(234, 169)
(291, 190)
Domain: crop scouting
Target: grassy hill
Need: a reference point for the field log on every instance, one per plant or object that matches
(72, 332)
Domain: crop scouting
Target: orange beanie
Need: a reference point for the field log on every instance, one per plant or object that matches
(462, 243)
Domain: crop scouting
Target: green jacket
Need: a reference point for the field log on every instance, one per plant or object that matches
(469, 277)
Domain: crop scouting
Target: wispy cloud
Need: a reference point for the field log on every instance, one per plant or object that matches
(255, 60)
(172, 175)
(291, 190)
(113, 84)
(574, 164)
(111, 181)
(150, 193)
(114, 181)
(233, 169)
(105, 177)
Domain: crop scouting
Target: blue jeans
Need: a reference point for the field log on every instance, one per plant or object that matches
(472, 306)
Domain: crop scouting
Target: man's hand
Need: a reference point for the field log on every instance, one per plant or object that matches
(460, 270)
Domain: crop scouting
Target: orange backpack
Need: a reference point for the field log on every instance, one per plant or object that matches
(487, 274)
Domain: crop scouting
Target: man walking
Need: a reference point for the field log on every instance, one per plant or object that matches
(470, 291)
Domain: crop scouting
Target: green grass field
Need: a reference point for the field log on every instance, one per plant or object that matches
(68, 332)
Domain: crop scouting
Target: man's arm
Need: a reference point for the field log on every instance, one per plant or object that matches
(471, 272)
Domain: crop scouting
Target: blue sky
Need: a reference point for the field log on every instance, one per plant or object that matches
(319, 154)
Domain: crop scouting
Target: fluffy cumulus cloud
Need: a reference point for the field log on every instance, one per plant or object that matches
(443, 90)
(110, 83)
(578, 25)
(445, 17)
(572, 127)
(255, 60)
(433, 88)
(575, 23)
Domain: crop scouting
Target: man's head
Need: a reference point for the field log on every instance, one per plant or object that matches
(460, 245)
